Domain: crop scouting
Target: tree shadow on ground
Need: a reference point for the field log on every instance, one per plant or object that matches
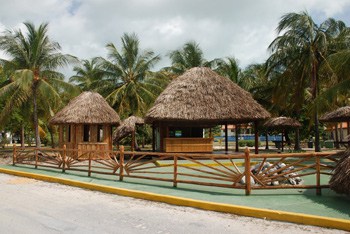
(338, 202)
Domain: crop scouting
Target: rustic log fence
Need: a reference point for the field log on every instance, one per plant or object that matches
(238, 171)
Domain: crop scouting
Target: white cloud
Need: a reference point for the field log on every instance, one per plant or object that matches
(242, 29)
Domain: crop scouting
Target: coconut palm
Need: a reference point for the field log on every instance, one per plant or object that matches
(298, 54)
(33, 58)
(189, 56)
(88, 74)
(129, 85)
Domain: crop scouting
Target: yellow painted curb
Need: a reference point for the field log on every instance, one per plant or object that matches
(314, 220)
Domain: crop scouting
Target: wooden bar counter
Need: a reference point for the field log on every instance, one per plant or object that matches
(188, 145)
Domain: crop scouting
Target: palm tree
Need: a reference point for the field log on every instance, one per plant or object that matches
(33, 60)
(129, 85)
(229, 68)
(189, 56)
(297, 56)
(88, 74)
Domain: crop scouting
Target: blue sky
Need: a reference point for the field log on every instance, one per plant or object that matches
(242, 29)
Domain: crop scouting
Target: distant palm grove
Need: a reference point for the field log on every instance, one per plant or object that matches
(306, 75)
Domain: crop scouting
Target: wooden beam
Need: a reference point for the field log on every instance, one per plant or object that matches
(282, 139)
(153, 138)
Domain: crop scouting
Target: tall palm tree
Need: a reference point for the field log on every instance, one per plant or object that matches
(297, 55)
(88, 74)
(229, 68)
(129, 85)
(32, 63)
(189, 56)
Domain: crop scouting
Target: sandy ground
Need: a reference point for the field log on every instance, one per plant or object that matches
(32, 206)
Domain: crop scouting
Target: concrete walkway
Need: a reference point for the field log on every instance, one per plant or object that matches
(303, 201)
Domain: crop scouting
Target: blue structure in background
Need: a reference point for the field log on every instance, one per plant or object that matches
(250, 137)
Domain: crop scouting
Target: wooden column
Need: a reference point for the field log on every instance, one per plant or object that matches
(133, 141)
(267, 139)
(348, 132)
(256, 137)
(226, 138)
(336, 136)
(153, 138)
(282, 140)
(121, 163)
(236, 136)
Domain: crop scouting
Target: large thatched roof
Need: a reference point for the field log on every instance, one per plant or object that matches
(87, 108)
(340, 180)
(339, 115)
(282, 122)
(126, 127)
(201, 95)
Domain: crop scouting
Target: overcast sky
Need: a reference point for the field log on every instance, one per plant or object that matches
(223, 28)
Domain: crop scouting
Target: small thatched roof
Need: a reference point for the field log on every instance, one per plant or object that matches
(339, 115)
(127, 127)
(340, 180)
(87, 108)
(201, 95)
(282, 122)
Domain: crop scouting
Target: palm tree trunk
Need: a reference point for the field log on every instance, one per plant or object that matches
(51, 136)
(36, 121)
(22, 135)
(314, 95)
(297, 140)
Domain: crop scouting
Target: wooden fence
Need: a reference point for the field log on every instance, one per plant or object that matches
(239, 171)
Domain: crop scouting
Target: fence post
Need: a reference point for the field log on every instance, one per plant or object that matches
(318, 175)
(121, 162)
(64, 158)
(36, 157)
(175, 172)
(14, 157)
(247, 171)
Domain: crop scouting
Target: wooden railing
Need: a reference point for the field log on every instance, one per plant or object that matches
(240, 171)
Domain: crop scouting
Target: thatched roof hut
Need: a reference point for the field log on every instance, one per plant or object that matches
(202, 98)
(282, 123)
(341, 114)
(201, 95)
(87, 108)
(86, 123)
(128, 126)
(340, 180)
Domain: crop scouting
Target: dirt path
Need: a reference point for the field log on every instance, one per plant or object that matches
(32, 206)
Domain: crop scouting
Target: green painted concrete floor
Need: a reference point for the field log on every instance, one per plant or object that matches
(304, 201)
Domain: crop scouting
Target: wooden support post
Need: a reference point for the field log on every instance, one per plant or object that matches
(153, 139)
(226, 138)
(318, 175)
(64, 152)
(256, 137)
(14, 157)
(133, 141)
(282, 142)
(121, 162)
(236, 136)
(267, 139)
(175, 172)
(247, 171)
(89, 172)
(336, 142)
(348, 132)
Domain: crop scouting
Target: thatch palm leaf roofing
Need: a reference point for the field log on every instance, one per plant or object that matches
(127, 127)
(201, 95)
(339, 115)
(340, 180)
(87, 108)
(282, 122)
